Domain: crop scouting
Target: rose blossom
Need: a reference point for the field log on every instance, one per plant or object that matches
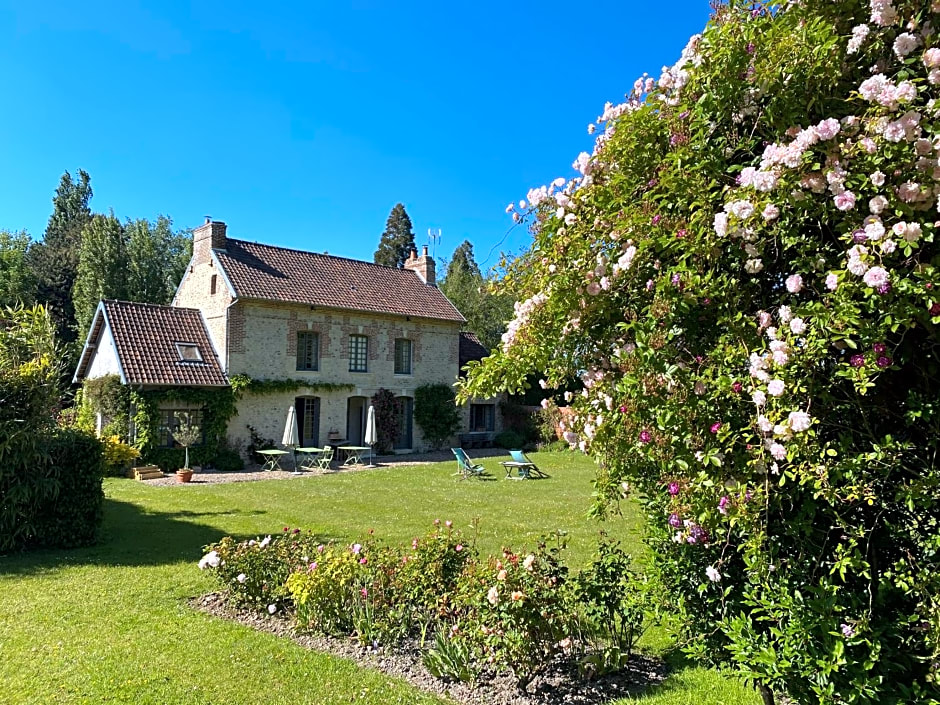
(798, 326)
(799, 421)
(845, 201)
(794, 283)
(876, 277)
(832, 282)
(775, 387)
(878, 178)
(778, 451)
(712, 574)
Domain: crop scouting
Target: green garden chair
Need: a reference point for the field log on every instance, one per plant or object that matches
(326, 457)
(466, 468)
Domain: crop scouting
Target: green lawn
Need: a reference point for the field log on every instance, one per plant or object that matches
(110, 624)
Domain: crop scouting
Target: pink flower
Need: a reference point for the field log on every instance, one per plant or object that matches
(736, 387)
(778, 451)
(799, 421)
(458, 547)
(879, 348)
(883, 361)
(857, 360)
(673, 488)
(775, 387)
(493, 596)
(723, 504)
(876, 277)
(448, 523)
(356, 548)
(798, 326)
(364, 592)
(845, 201)
(794, 283)
(932, 58)
(715, 427)
(645, 436)
(832, 282)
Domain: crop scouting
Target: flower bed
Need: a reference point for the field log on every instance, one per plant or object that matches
(470, 618)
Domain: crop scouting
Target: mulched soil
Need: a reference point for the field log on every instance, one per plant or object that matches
(254, 473)
(559, 685)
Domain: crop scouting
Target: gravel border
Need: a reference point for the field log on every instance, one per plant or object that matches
(254, 473)
(559, 685)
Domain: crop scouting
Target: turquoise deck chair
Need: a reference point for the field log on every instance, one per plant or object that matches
(524, 467)
(466, 468)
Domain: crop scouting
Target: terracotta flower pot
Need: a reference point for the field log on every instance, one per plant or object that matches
(184, 475)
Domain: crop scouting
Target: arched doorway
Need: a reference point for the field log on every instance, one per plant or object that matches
(356, 409)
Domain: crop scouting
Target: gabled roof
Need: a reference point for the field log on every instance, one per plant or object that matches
(270, 273)
(146, 338)
(470, 349)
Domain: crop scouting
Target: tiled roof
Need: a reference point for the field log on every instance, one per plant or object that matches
(146, 337)
(270, 273)
(470, 349)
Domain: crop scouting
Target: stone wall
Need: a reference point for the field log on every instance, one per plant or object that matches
(262, 343)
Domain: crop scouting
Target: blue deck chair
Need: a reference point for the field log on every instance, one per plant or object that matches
(466, 468)
(524, 467)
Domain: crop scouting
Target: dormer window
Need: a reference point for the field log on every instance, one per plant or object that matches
(188, 352)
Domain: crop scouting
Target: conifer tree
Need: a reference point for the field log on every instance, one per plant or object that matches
(397, 241)
(102, 268)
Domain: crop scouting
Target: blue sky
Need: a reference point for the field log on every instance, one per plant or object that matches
(302, 124)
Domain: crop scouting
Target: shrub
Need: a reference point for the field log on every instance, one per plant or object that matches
(744, 274)
(253, 572)
(509, 439)
(257, 442)
(72, 514)
(548, 422)
(436, 413)
(520, 420)
(117, 456)
(228, 460)
(387, 419)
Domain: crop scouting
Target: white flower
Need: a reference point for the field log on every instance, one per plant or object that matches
(493, 596)
(794, 283)
(770, 212)
(878, 178)
(799, 421)
(528, 562)
(888, 246)
(712, 573)
(759, 398)
(778, 451)
(721, 224)
(764, 424)
(241, 578)
(785, 314)
(264, 542)
(798, 326)
(753, 266)
(832, 282)
(775, 387)
(210, 560)
(877, 204)
(905, 43)
(876, 277)
(272, 609)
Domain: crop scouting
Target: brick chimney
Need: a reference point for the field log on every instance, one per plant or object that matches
(423, 266)
(208, 236)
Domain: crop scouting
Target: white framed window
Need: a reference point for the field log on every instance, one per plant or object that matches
(402, 356)
(189, 352)
(358, 353)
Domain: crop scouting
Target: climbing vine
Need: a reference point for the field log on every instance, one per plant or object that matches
(244, 383)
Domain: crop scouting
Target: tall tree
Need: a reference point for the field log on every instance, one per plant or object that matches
(486, 312)
(17, 285)
(54, 261)
(397, 241)
(102, 267)
(157, 258)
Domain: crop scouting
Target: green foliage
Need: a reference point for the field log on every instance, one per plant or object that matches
(105, 395)
(17, 284)
(244, 383)
(520, 420)
(50, 481)
(258, 442)
(759, 353)
(70, 515)
(54, 260)
(548, 421)
(118, 455)
(217, 405)
(102, 268)
(397, 241)
(156, 259)
(450, 658)
(387, 419)
(509, 439)
(186, 433)
(228, 460)
(436, 413)
(473, 294)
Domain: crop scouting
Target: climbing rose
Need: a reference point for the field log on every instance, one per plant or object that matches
(876, 277)
(794, 283)
(712, 574)
(775, 387)
(799, 421)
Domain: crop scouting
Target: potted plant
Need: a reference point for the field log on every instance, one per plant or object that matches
(186, 434)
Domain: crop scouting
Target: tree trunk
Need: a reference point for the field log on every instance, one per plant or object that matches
(766, 694)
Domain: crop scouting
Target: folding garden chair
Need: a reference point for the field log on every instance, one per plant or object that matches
(326, 457)
(466, 468)
(525, 468)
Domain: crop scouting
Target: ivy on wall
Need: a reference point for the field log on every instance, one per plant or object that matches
(245, 383)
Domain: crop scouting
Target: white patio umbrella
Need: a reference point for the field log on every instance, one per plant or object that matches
(372, 433)
(291, 437)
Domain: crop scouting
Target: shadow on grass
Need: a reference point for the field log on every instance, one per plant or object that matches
(133, 537)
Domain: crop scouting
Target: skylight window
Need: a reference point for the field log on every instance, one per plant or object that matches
(189, 352)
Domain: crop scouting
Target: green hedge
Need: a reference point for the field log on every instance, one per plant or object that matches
(72, 516)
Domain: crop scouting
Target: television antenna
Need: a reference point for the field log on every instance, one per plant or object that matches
(434, 235)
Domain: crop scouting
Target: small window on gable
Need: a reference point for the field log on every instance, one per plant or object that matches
(212, 283)
(189, 352)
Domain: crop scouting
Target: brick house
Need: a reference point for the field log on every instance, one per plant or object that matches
(273, 313)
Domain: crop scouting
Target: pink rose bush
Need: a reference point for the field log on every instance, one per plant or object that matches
(796, 149)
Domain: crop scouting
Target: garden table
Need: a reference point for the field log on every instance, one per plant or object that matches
(523, 469)
(272, 458)
(312, 453)
(353, 454)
